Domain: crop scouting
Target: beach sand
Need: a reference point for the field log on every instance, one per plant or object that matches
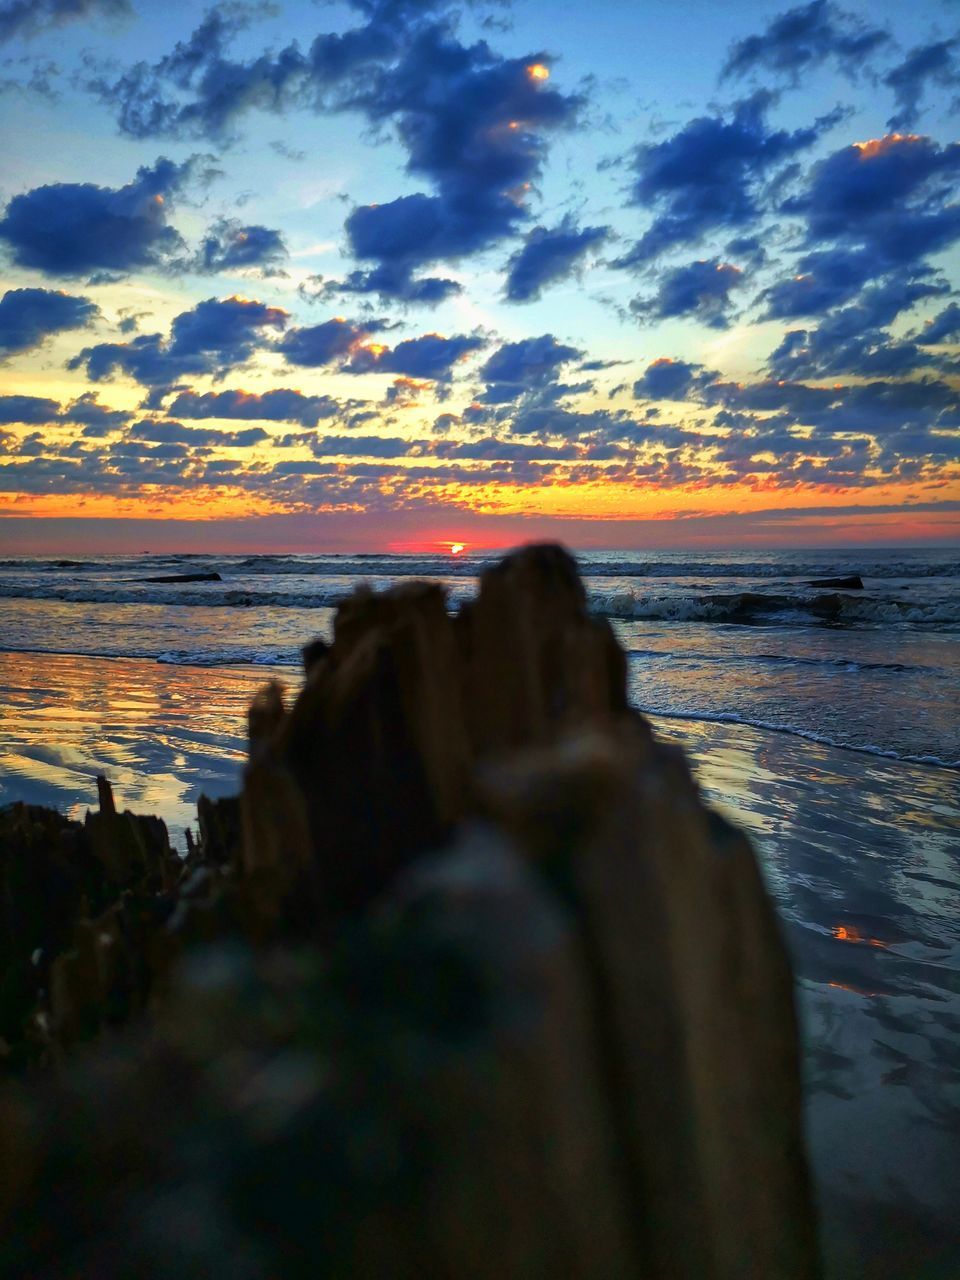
(859, 852)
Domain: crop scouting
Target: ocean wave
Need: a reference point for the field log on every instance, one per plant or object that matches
(773, 726)
(804, 608)
(205, 657)
(851, 665)
(592, 565)
(755, 607)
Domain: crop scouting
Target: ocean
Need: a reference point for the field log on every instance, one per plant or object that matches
(740, 637)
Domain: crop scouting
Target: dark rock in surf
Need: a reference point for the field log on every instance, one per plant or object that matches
(185, 577)
(853, 583)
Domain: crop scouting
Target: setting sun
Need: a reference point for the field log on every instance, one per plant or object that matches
(456, 548)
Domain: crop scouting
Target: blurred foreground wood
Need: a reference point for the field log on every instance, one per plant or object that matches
(467, 983)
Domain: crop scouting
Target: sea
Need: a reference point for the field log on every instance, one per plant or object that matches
(727, 636)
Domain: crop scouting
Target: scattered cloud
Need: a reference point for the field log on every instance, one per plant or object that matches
(212, 338)
(549, 255)
(928, 64)
(230, 246)
(29, 316)
(698, 289)
(73, 229)
(33, 17)
(711, 174)
(804, 38)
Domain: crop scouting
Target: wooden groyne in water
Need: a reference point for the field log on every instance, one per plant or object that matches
(467, 982)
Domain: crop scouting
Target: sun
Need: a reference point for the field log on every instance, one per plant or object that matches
(456, 548)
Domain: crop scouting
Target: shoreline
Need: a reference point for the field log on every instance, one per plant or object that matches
(271, 669)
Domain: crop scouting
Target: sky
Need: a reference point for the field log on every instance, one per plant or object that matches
(392, 273)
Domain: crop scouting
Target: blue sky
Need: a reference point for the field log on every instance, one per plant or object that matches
(399, 271)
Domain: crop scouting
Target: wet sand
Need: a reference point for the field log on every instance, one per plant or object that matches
(861, 854)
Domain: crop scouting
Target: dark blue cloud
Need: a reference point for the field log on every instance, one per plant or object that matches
(667, 379)
(829, 278)
(347, 345)
(893, 196)
(548, 255)
(96, 419)
(874, 408)
(28, 316)
(29, 410)
(169, 432)
(709, 175)
(821, 280)
(283, 404)
(804, 38)
(528, 366)
(314, 346)
(473, 124)
(394, 283)
(854, 339)
(72, 229)
(927, 64)
(833, 349)
(212, 338)
(699, 289)
(430, 356)
(943, 328)
(231, 246)
(31, 17)
(196, 89)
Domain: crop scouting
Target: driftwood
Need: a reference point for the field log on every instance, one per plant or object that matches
(467, 983)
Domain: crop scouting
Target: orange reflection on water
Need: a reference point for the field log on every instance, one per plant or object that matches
(850, 933)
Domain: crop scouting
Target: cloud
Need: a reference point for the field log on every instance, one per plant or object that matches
(874, 408)
(827, 279)
(196, 90)
(927, 64)
(29, 316)
(549, 255)
(430, 356)
(72, 229)
(855, 339)
(315, 346)
(212, 338)
(96, 419)
(891, 195)
(347, 345)
(169, 432)
(944, 328)
(31, 17)
(283, 404)
(394, 283)
(524, 367)
(472, 122)
(30, 410)
(804, 38)
(709, 175)
(832, 349)
(667, 379)
(231, 246)
(699, 289)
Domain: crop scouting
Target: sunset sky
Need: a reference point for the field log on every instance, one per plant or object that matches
(325, 276)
